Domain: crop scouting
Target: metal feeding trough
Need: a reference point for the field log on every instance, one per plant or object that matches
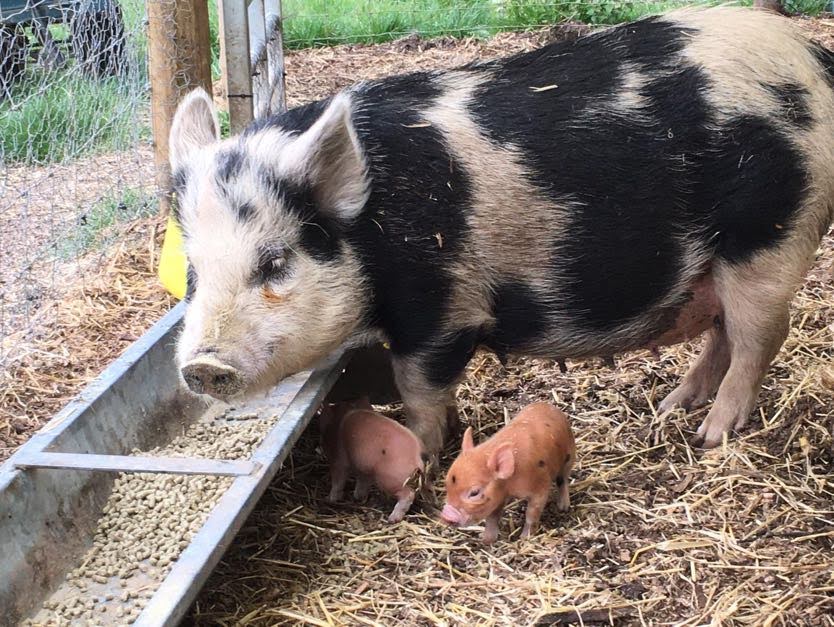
(63, 493)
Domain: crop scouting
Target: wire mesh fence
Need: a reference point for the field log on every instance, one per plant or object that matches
(74, 145)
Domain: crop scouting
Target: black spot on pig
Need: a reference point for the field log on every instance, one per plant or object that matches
(754, 209)
(190, 283)
(295, 120)
(651, 43)
(420, 196)
(447, 361)
(229, 163)
(541, 463)
(793, 101)
(520, 318)
(319, 233)
(825, 57)
(620, 174)
(245, 211)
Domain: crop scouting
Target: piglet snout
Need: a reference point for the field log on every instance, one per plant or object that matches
(451, 515)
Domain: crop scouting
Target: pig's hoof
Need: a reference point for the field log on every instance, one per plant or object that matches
(678, 398)
(696, 441)
(489, 538)
(396, 517)
(526, 532)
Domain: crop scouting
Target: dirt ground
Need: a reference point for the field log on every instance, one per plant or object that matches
(658, 532)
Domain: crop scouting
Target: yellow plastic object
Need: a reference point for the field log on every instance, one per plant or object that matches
(172, 261)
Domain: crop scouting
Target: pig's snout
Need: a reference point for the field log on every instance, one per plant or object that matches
(207, 375)
(451, 515)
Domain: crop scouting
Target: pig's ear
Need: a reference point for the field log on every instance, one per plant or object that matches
(195, 126)
(502, 462)
(468, 440)
(332, 161)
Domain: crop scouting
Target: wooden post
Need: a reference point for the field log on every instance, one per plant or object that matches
(179, 59)
(275, 57)
(267, 45)
(235, 66)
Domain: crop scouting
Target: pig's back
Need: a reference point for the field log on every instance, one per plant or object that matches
(380, 447)
(544, 446)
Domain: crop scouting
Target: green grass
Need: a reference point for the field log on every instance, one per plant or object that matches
(328, 22)
(59, 115)
(95, 230)
(806, 7)
(72, 117)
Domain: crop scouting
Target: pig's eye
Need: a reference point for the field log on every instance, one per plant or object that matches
(272, 266)
(474, 493)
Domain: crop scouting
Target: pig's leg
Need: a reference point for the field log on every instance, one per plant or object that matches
(338, 478)
(535, 506)
(755, 300)
(362, 487)
(426, 406)
(704, 376)
(490, 534)
(562, 493)
(405, 498)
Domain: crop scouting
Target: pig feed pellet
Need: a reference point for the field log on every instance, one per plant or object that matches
(147, 522)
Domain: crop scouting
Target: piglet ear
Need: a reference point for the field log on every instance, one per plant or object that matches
(329, 158)
(502, 462)
(195, 125)
(468, 441)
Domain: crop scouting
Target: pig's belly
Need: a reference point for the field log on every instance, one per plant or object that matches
(700, 312)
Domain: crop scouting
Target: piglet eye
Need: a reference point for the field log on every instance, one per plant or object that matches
(474, 493)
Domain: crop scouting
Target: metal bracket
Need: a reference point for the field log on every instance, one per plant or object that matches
(127, 463)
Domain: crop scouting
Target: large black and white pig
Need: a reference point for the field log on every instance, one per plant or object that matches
(633, 188)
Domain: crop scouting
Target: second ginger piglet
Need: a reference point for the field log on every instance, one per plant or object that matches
(520, 461)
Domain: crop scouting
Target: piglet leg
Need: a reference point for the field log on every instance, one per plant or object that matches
(362, 487)
(534, 513)
(339, 471)
(490, 534)
(562, 494)
(338, 479)
(405, 498)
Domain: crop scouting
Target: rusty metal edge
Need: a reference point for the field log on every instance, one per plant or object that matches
(180, 588)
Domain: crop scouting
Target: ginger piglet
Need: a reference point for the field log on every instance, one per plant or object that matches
(520, 461)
